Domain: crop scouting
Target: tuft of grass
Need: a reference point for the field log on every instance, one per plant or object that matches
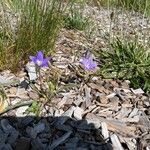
(142, 6)
(75, 19)
(127, 60)
(36, 28)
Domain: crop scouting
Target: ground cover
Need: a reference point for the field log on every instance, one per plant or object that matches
(74, 79)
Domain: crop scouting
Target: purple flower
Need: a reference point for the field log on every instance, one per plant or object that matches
(39, 59)
(88, 63)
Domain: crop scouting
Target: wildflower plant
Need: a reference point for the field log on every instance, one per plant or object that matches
(126, 60)
(88, 63)
(47, 82)
(39, 60)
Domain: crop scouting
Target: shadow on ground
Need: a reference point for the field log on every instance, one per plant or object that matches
(50, 133)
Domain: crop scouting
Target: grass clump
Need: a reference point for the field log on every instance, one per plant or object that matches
(75, 19)
(36, 28)
(127, 60)
(142, 6)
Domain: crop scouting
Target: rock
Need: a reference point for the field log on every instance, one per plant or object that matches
(39, 128)
(137, 91)
(105, 132)
(115, 142)
(26, 121)
(6, 80)
(31, 69)
(37, 144)
(23, 144)
(7, 128)
(15, 101)
(5, 147)
(78, 113)
(24, 84)
(3, 137)
(31, 132)
(13, 137)
(21, 111)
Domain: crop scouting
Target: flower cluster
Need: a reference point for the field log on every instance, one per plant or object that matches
(39, 59)
(88, 63)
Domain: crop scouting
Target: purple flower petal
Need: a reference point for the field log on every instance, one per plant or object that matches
(33, 59)
(45, 62)
(40, 56)
(39, 59)
(88, 63)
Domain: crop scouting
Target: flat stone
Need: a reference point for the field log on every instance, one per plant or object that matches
(137, 91)
(78, 113)
(21, 111)
(30, 67)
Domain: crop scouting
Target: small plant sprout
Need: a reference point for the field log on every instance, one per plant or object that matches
(39, 60)
(88, 63)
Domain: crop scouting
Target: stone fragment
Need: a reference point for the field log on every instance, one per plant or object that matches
(137, 91)
(115, 142)
(105, 132)
(21, 111)
(78, 113)
(30, 67)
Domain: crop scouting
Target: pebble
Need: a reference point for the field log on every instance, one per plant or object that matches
(20, 112)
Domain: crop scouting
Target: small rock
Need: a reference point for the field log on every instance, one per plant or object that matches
(21, 111)
(24, 84)
(30, 67)
(3, 137)
(37, 144)
(26, 121)
(7, 128)
(23, 144)
(111, 95)
(15, 101)
(5, 147)
(13, 137)
(78, 113)
(31, 132)
(137, 91)
(39, 128)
